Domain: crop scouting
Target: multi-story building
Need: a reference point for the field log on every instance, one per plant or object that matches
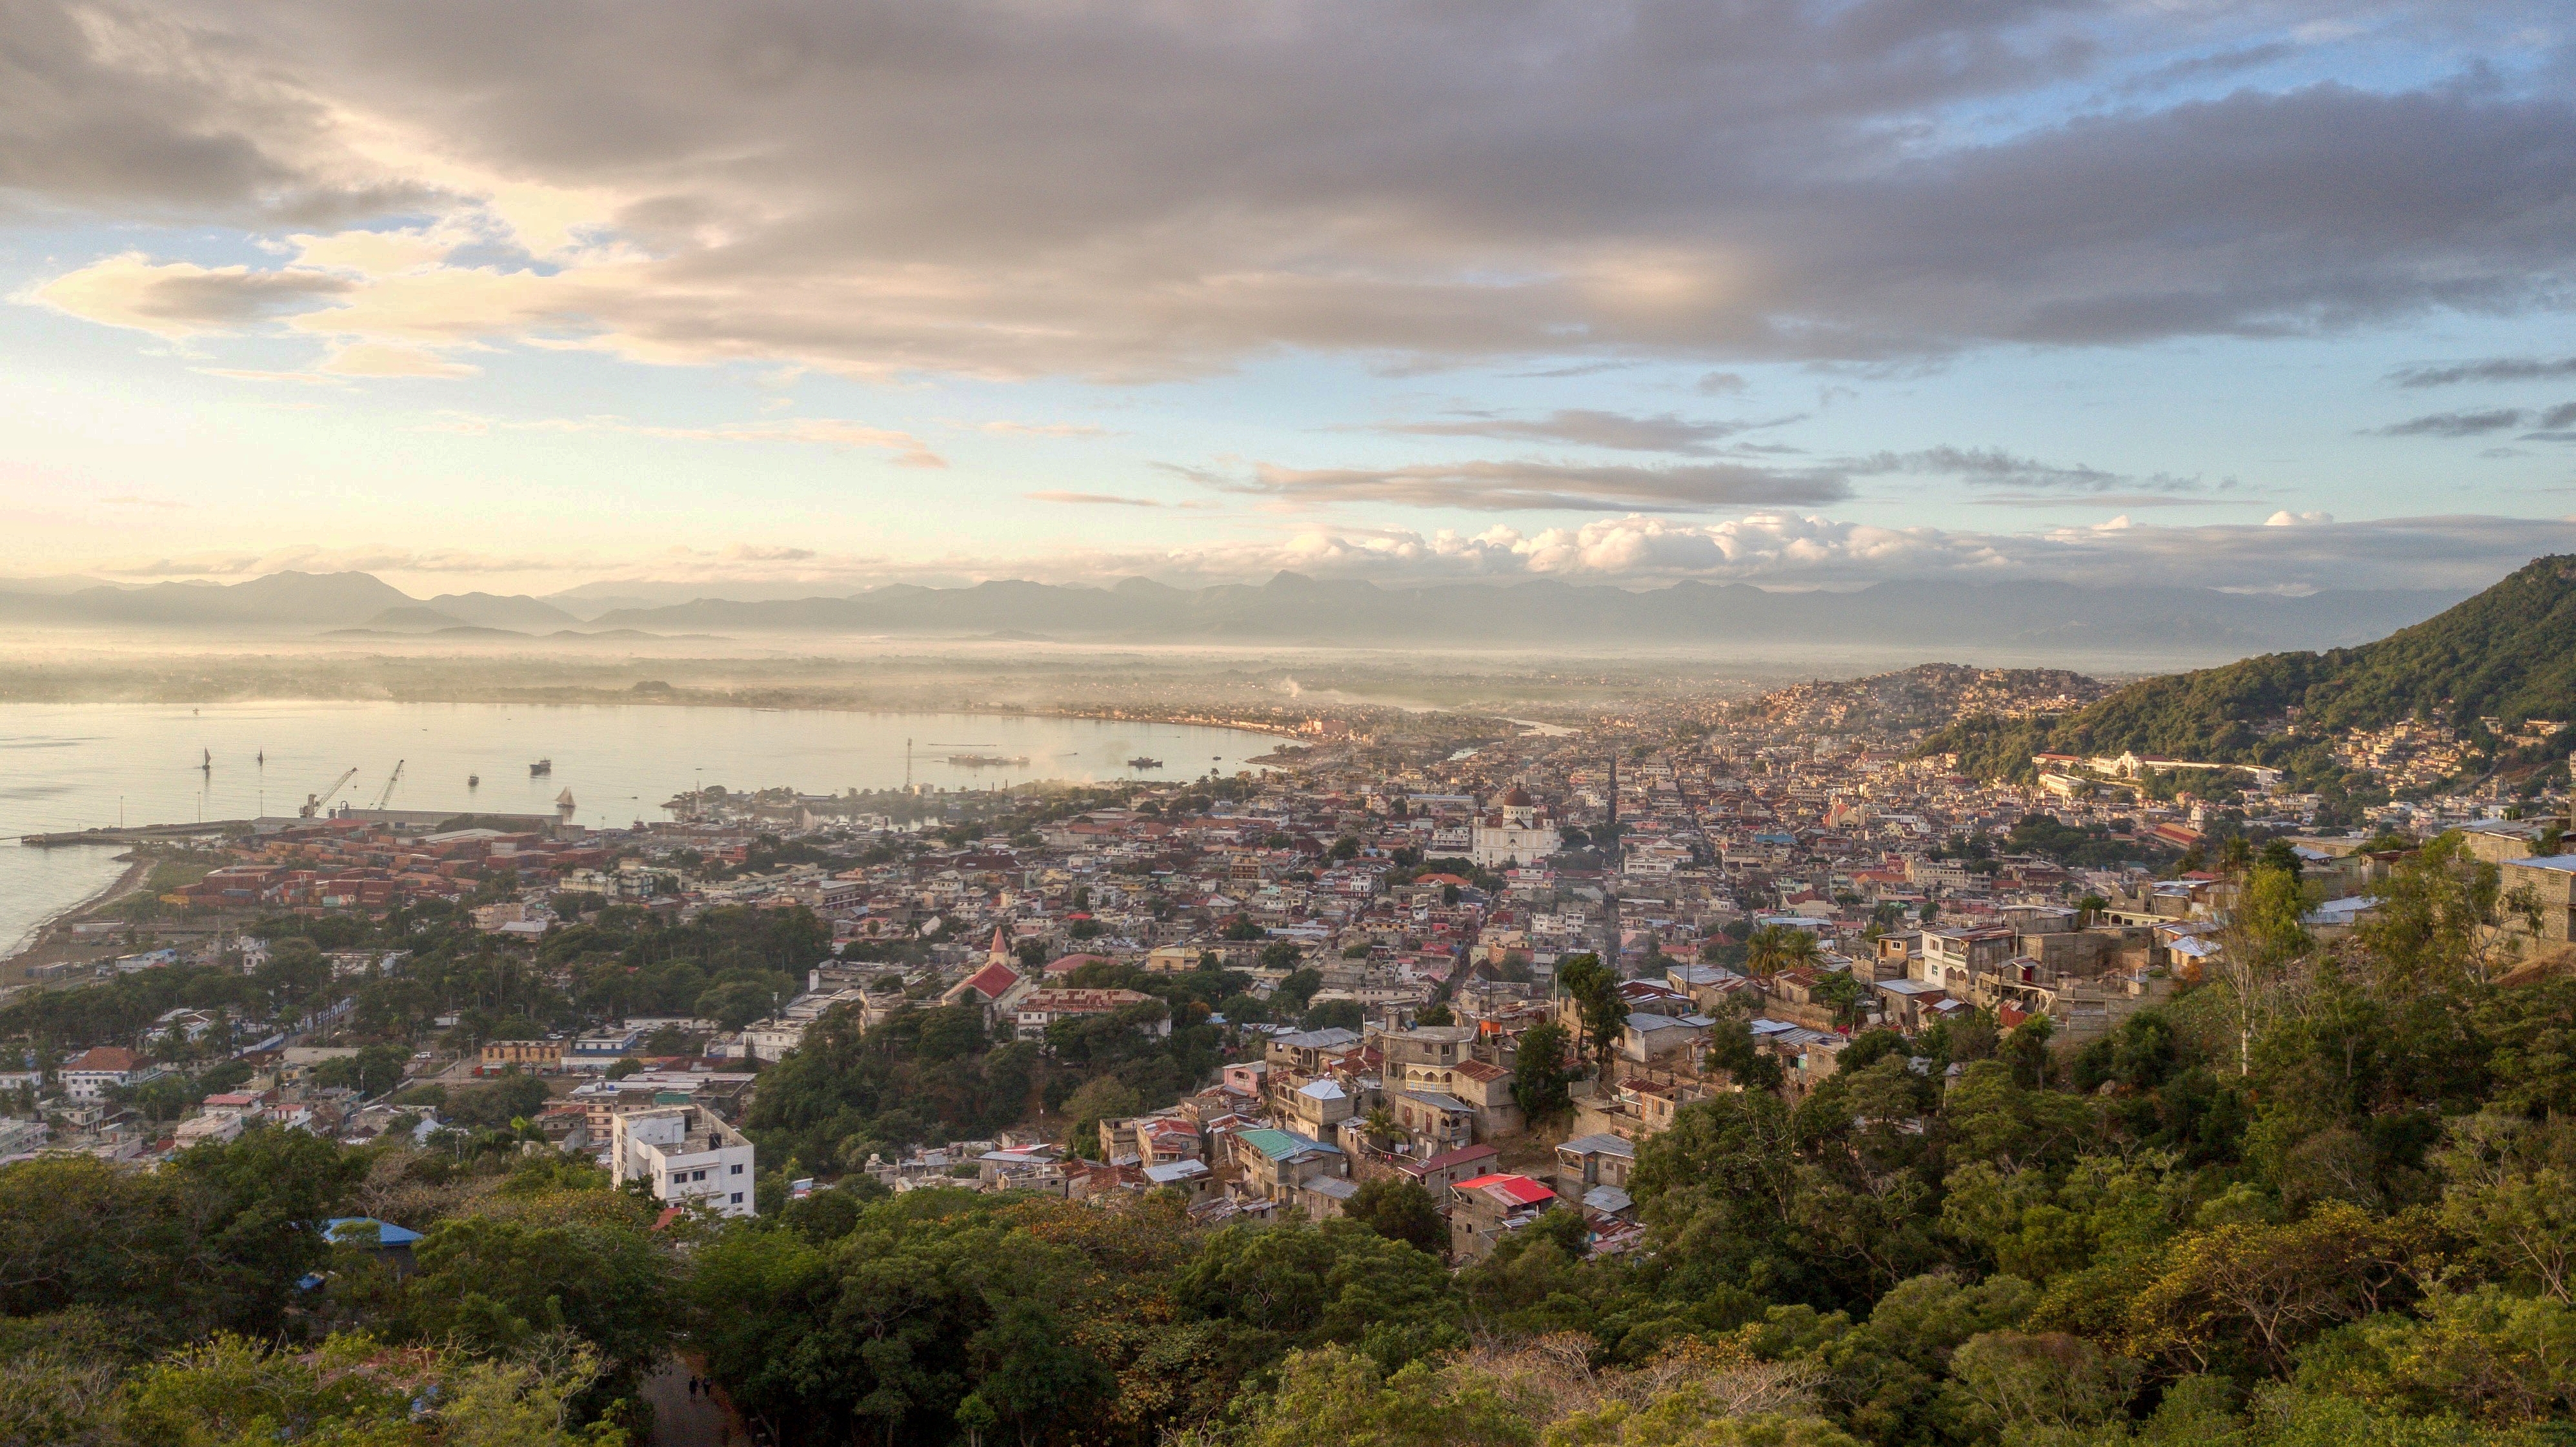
(690, 1157)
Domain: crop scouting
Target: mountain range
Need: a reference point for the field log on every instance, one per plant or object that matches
(1293, 609)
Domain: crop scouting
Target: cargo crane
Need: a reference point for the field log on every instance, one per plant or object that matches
(316, 803)
(392, 779)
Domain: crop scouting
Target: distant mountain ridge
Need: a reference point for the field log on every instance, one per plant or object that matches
(2508, 653)
(327, 600)
(1292, 609)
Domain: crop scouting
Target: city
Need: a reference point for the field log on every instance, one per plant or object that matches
(839, 723)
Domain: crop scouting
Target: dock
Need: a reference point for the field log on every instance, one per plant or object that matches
(139, 834)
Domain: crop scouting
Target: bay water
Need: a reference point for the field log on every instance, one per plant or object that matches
(80, 766)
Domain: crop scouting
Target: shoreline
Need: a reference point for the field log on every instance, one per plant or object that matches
(680, 698)
(136, 871)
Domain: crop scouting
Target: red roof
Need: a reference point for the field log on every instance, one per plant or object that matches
(993, 981)
(1520, 1189)
(103, 1057)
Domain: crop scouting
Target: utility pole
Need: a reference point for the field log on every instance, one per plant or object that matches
(1610, 873)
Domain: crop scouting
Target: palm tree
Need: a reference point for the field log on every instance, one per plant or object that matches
(1777, 947)
(1379, 1126)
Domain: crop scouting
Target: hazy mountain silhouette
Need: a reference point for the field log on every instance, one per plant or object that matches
(1294, 609)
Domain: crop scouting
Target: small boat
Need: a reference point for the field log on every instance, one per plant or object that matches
(541, 768)
(474, 781)
(1142, 762)
(209, 765)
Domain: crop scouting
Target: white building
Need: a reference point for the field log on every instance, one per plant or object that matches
(690, 1157)
(93, 1073)
(1519, 832)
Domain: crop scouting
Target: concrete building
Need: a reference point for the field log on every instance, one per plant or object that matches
(690, 1157)
(1483, 1210)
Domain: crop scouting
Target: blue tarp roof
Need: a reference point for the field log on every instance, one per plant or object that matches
(387, 1233)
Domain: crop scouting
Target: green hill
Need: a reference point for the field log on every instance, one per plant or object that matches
(2509, 653)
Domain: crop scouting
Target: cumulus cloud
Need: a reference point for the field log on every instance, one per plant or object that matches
(2288, 553)
(1126, 192)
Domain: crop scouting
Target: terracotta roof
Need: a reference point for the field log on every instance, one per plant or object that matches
(103, 1057)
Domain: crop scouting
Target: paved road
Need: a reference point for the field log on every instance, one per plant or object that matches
(682, 1420)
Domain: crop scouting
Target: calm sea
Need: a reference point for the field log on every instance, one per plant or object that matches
(81, 766)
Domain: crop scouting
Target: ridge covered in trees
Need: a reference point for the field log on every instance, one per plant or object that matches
(2508, 653)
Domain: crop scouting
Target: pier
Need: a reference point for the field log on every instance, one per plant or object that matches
(139, 834)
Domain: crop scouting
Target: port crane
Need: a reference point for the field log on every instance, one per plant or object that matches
(392, 779)
(316, 803)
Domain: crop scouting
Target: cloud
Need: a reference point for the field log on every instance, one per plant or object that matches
(376, 359)
(2493, 369)
(828, 432)
(2458, 424)
(1995, 467)
(314, 558)
(252, 374)
(1045, 429)
(1584, 427)
(2308, 553)
(2287, 519)
(908, 450)
(1131, 193)
(140, 113)
(1528, 486)
(180, 299)
(1104, 499)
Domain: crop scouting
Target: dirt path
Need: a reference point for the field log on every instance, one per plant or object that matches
(681, 1419)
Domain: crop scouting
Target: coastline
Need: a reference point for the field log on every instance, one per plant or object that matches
(137, 869)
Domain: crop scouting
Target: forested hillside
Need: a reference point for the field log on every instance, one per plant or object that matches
(2509, 653)
(2327, 1199)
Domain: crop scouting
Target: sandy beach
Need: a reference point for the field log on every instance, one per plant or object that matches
(40, 946)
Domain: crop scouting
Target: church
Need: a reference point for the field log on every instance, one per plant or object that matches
(1518, 831)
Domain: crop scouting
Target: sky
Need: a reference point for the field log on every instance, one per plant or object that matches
(774, 299)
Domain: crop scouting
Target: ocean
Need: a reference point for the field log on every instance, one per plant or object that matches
(81, 766)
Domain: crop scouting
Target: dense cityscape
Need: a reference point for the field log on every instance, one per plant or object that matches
(1451, 977)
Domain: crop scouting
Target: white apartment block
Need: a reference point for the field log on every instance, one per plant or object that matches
(690, 1157)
